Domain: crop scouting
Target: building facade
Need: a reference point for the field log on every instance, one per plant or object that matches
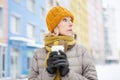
(26, 26)
(3, 38)
(52, 3)
(79, 9)
(96, 30)
(110, 31)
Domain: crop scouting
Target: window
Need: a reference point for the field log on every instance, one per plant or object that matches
(28, 62)
(29, 58)
(41, 37)
(57, 3)
(15, 63)
(78, 7)
(3, 65)
(31, 31)
(51, 2)
(15, 24)
(31, 5)
(1, 19)
(2, 61)
(42, 12)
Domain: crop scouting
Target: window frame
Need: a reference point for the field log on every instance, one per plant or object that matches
(33, 37)
(3, 50)
(31, 5)
(16, 28)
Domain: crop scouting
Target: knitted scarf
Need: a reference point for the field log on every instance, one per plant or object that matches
(66, 41)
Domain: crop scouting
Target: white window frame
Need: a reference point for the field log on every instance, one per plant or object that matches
(31, 32)
(15, 70)
(31, 5)
(15, 28)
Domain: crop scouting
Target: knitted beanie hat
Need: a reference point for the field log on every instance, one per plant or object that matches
(55, 15)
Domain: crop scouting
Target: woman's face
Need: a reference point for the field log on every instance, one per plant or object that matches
(65, 26)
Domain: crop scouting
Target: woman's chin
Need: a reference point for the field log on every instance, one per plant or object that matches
(69, 34)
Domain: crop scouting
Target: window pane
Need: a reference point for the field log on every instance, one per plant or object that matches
(42, 12)
(15, 24)
(2, 61)
(15, 63)
(28, 62)
(31, 31)
(3, 65)
(29, 58)
(1, 19)
(51, 2)
(31, 5)
(4, 51)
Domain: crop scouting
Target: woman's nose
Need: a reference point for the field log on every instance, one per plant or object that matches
(70, 24)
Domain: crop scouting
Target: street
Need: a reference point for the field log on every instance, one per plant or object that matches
(104, 72)
(108, 72)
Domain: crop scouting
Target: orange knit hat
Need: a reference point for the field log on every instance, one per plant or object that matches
(55, 15)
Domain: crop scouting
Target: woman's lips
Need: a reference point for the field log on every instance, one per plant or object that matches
(69, 29)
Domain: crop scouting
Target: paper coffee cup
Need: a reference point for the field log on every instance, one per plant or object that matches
(57, 48)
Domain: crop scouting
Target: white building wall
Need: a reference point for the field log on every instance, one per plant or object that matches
(95, 25)
(112, 31)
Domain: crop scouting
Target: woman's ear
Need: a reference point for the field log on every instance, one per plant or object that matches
(56, 31)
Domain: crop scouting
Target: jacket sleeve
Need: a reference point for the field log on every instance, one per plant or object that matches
(88, 69)
(35, 74)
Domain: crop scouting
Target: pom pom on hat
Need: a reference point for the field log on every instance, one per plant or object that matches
(55, 15)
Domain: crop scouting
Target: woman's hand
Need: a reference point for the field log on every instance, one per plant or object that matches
(50, 66)
(61, 63)
(58, 61)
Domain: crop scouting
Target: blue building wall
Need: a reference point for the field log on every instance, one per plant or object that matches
(26, 16)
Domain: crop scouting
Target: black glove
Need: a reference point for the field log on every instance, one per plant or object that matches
(61, 63)
(50, 66)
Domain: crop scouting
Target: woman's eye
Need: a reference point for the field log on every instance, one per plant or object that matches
(65, 20)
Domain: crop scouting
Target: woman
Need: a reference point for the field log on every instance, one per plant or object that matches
(74, 63)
